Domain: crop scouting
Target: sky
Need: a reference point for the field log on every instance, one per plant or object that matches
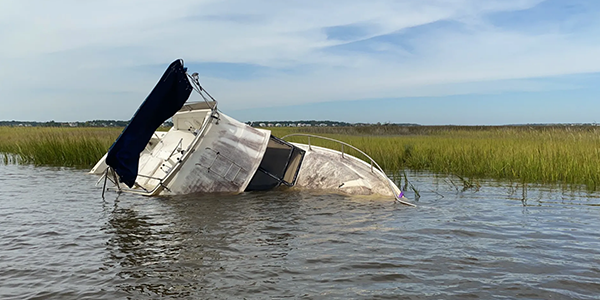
(430, 62)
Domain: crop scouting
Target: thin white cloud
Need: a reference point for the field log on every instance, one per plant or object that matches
(93, 50)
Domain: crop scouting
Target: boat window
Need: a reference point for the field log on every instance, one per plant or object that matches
(279, 165)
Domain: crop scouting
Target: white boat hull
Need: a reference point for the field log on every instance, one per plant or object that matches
(331, 170)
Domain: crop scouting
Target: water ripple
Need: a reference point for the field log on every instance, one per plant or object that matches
(59, 240)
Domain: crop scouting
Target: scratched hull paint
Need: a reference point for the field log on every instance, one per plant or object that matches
(224, 161)
(326, 169)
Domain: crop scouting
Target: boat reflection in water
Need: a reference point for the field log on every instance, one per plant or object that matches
(177, 246)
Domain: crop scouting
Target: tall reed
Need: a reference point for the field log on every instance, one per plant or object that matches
(547, 155)
(538, 154)
(72, 147)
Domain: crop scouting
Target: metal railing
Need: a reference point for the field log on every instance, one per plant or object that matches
(372, 161)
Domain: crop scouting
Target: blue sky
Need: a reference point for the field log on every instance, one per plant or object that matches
(418, 61)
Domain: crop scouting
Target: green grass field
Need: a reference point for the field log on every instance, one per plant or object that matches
(69, 147)
(558, 155)
(561, 155)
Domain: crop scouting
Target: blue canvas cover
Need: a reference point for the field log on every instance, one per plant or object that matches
(168, 96)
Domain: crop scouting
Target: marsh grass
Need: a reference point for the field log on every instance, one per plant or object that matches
(70, 147)
(558, 155)
(561, 155)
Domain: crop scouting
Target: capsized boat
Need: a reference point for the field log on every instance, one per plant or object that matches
(208, 151)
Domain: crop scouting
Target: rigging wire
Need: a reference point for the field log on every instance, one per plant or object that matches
(201, 91)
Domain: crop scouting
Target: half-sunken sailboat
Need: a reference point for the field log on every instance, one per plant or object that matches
(207, 151)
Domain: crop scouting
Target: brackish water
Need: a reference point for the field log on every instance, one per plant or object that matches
(60, 240)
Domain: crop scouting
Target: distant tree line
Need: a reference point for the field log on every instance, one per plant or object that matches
(94, 123)
(301, 123)
(315, 123)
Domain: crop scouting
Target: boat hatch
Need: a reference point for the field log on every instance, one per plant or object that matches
(280, 165)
